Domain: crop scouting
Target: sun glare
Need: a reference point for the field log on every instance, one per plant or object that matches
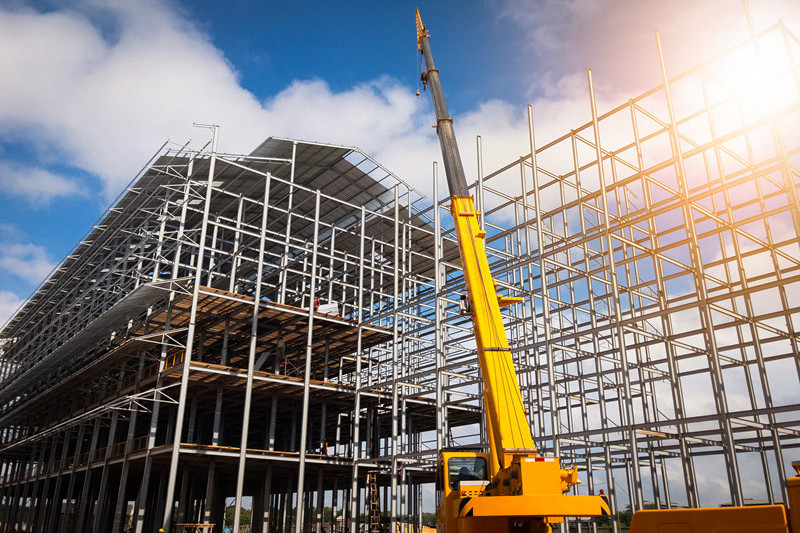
(760, 75)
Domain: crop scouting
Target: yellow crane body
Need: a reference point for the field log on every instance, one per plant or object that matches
(511, 488)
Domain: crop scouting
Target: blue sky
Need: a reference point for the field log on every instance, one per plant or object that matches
(90, 89)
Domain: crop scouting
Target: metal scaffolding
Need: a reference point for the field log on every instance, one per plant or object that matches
(657, 251)
(231, 327)
(282, 329)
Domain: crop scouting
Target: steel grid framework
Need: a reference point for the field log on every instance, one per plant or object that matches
(177, 355)
(657, 344)
(657, 250)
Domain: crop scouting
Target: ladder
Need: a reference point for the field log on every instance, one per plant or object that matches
(373, 503)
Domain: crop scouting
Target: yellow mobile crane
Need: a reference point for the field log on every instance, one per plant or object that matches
(511, 488)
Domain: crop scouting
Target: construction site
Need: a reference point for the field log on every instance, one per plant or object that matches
(281, 334)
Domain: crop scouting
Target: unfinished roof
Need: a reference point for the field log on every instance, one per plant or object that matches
(87, 289)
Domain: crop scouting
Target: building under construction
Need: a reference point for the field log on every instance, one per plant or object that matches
(281, 330)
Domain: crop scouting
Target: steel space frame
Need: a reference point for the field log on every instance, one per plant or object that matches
(657, 248)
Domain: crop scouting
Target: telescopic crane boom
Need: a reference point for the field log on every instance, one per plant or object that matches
(512, 488)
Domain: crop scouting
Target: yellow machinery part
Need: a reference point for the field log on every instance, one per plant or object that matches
(503, 398)
(755, 519)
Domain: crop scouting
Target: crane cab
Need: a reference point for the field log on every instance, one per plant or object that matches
(460, 475)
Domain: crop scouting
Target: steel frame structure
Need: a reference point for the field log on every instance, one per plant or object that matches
(177, 354)
(657, 249)
(175, 358)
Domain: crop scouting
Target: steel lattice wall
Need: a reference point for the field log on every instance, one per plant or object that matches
(661, 286)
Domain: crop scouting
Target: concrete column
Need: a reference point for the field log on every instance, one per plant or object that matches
(267, 501)
(210, 484)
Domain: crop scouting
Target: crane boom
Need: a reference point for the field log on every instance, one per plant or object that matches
(453, 168)
(508, 427)
(521, 492)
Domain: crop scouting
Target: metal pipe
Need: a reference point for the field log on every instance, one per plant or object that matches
(251, 357)
(301, 469)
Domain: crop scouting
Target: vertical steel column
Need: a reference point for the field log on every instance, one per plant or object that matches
(357, 401)
(248, 392)
(717, 381)
(676, 388)
(83, 501)
(236, 258)
(55, 510)
(26, 501)
(44, 507)
(142, 497)
(208, 507)
(285, 257)
(182, 495)
(301, 469)
(636, 496)
(527, 274)
(439, 333)
(287, 505)
(754, 333)
(595, 342)
(267, 513)
(120, 506)
(187, 360)
(395, 362)
(548, 338)
(101, 495)
(320, 501)
(334, 502)
(72, 478)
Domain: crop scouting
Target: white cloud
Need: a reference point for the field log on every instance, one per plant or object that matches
(9, 302)
(616, 37)
(25, 261)
(104, 105)
(36, 185)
